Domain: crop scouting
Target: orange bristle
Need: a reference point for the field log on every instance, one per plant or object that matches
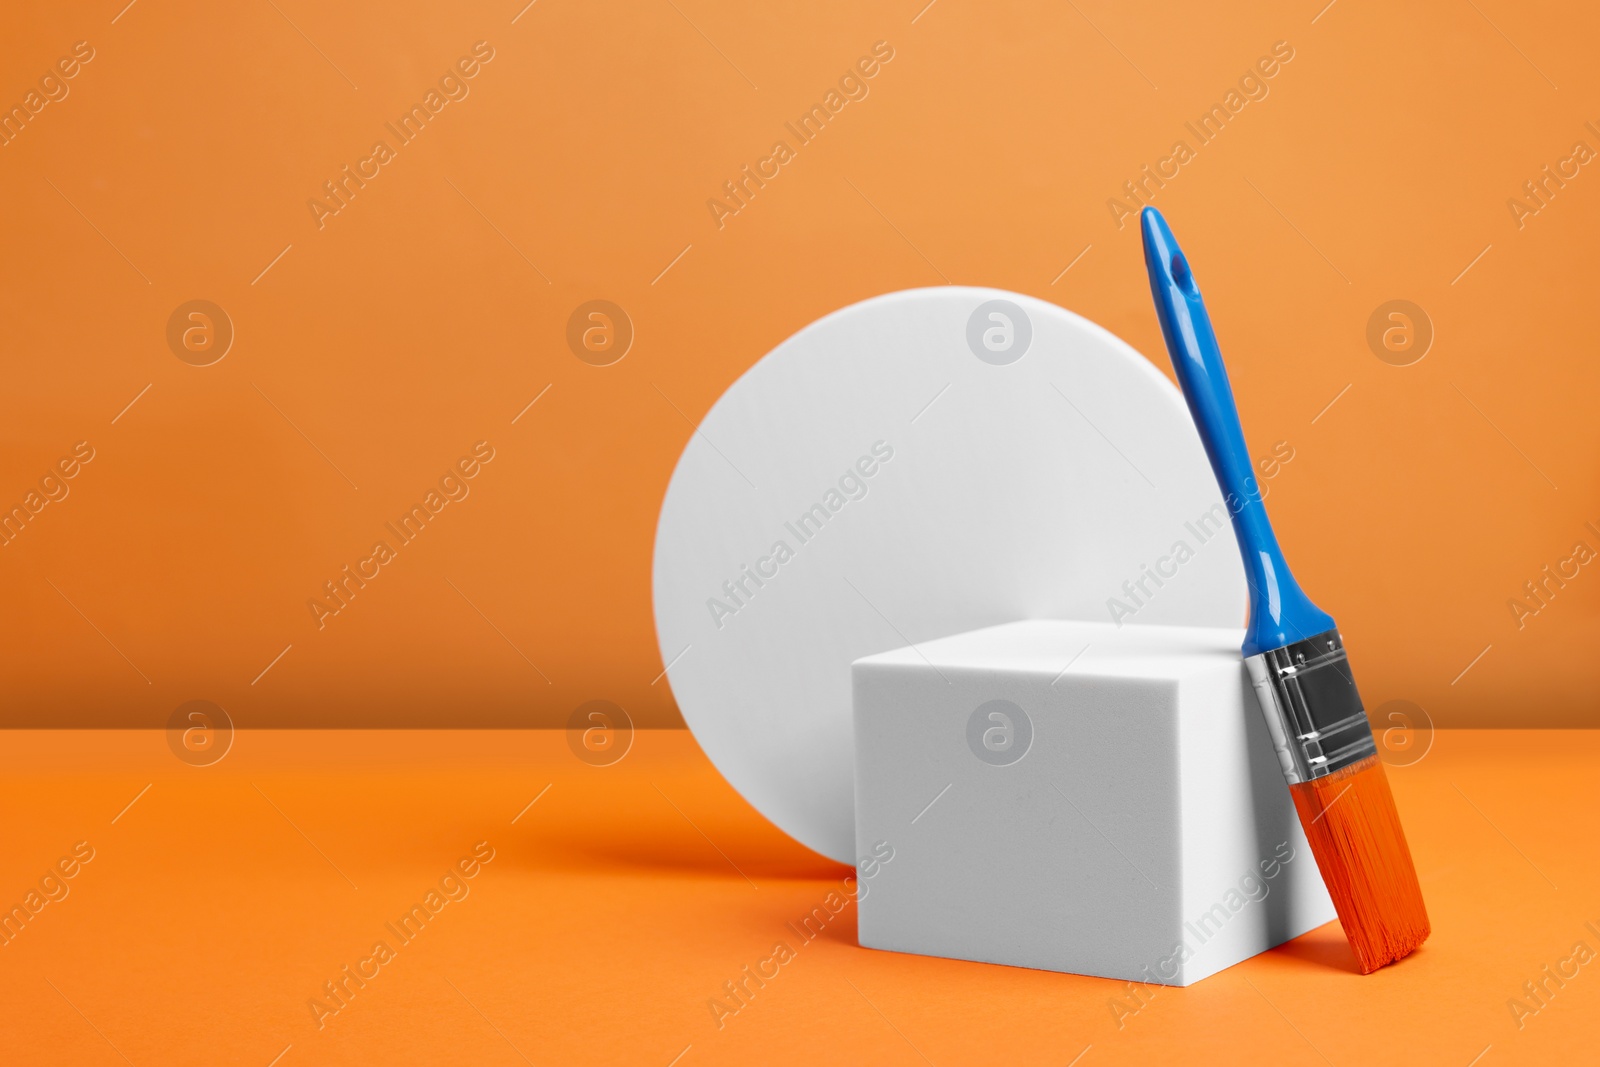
(1354, 830)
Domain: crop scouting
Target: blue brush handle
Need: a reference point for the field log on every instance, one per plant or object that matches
(1280, 614)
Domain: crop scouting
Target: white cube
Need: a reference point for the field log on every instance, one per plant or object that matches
(1075, 796)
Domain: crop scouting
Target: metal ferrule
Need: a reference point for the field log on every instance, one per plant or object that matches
(1313, 711)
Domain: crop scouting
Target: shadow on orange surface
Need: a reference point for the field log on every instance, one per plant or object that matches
(1326, 947)
(655, 846)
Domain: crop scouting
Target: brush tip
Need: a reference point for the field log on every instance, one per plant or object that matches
(1350, 819)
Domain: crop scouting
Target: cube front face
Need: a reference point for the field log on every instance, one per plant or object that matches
(1124, 819)
(1029, 823)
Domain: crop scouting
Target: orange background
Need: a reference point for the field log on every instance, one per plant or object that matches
(430, 311)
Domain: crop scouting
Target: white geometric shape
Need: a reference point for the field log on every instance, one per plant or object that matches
(1026, 489)
(1146, 834)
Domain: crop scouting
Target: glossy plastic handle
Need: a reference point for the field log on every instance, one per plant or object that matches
(1280, 614)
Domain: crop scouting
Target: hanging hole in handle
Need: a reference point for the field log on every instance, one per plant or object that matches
(1180, 273)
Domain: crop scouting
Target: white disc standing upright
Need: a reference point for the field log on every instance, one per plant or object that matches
(916, 465)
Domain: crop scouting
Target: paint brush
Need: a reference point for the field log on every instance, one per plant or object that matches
(1295, 656)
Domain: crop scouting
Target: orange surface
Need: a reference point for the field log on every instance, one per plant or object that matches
(375, 345)
(616, 906)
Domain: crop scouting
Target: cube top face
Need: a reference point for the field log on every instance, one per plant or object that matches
(1063, 795)
(1080, 648)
